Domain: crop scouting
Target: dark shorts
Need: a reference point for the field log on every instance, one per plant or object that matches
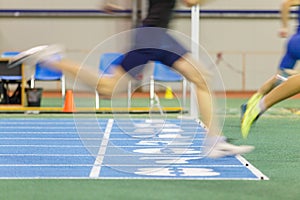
(152, 44)
(292, 53)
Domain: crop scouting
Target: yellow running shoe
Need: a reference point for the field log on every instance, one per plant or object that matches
(251, 114)
(252, 100)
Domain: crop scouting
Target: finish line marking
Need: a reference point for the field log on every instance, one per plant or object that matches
(99, 159)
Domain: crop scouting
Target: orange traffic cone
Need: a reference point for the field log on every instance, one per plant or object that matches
(69, 102)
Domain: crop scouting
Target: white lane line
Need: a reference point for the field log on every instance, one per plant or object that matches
(95, 172)
(253, 169)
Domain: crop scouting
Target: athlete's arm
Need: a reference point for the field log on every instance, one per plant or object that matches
(190, 3)
(109, 6)
(285, 12)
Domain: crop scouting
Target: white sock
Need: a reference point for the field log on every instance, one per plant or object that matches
(261, 105)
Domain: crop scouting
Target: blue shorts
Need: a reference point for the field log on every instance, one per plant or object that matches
(152, 44)
(292, 53)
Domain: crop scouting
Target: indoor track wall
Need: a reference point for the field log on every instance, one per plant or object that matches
(250, 47)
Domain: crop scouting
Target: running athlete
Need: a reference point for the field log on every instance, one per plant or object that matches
(153, 43)
(286, 69)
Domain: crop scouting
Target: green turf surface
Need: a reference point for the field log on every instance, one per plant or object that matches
(277, 154)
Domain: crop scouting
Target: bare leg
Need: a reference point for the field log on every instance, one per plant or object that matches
(200, 78)
(268, 86)
(275, 80)
(215, 145)
(285, 90)
(103, 84)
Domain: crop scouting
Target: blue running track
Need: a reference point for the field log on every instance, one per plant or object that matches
(112, 149)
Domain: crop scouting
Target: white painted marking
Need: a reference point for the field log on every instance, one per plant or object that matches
(170, 172)
(180, 151)
(95, 172)
(172, 136)
(171, 130)
(253, 169)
